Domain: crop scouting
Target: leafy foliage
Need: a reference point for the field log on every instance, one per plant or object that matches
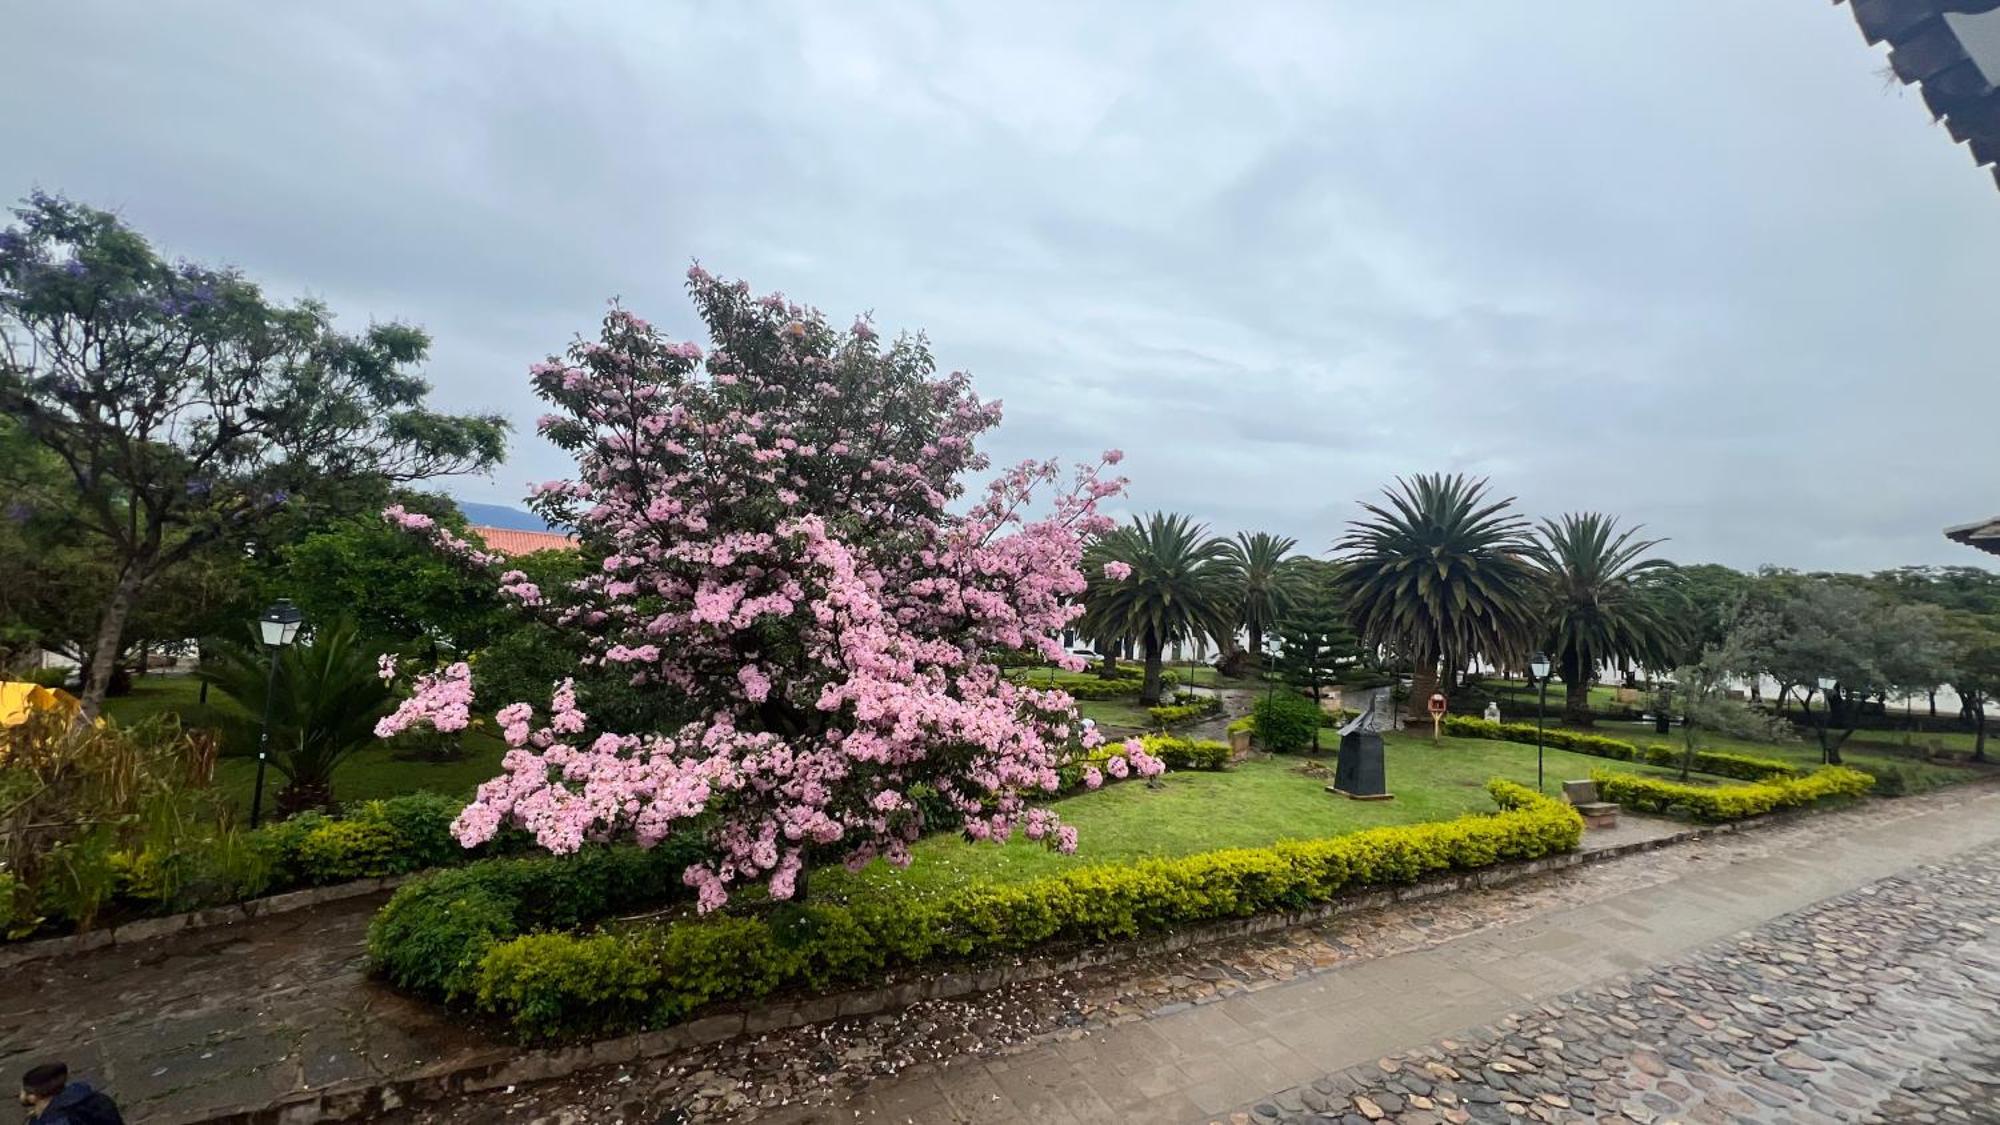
(1731, 802)
(188, 411)
(328, 697)
(1286, 723)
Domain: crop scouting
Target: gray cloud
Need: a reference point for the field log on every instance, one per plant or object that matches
(1695, 264)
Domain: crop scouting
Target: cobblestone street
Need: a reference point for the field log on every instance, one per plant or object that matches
(1874, 1006)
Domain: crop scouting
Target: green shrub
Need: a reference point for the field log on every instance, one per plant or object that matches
(1183, 709)
(50, 677)
(1186, 753)
(1285, 722)
(432, 933)
(1730, 802)
(1740, 766)
(553, 984)
(1247, 722)
(1891, 780)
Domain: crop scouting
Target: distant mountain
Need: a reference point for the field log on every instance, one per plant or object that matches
(500, 515)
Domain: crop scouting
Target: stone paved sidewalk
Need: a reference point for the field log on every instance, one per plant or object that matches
(1872, 1006)
(1184, 1036)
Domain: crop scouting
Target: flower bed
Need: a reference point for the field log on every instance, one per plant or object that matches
(372, 839)
(458, 943)
(1731, 802)
(1740, 766)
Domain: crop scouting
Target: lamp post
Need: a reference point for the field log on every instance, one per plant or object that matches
(278, 628)
(1538, 664)
(1270, 665)
(1826, 686)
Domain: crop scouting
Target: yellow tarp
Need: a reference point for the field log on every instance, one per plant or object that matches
(19, 701)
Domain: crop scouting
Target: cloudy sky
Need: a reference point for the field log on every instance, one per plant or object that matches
(1696, 263)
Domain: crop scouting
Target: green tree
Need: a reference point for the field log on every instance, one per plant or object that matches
(1712, 596)
(1442, 575)
(329, 695)
(1975, 659)
(1315, 642)
(1699, 698)
(1178, 588)
(397, 589)
(1841, 633)
(1603, 603)
(189, 411)
(1263, 578)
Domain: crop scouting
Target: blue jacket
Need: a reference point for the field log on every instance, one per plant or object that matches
(78, 1104)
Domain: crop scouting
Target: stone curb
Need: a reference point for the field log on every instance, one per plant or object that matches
(148, 928)
(511, 1066)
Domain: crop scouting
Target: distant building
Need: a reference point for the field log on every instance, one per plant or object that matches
(510, 541)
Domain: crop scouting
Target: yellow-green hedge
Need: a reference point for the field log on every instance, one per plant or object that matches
(1730, 802)
(555, 984)
(1740, 766)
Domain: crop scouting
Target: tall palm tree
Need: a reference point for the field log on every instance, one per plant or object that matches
(1604, 603)
(1264, 581)
(1178, 588)
(1440, 574)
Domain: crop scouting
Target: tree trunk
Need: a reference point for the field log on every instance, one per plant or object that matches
(1256, 644)
(1149, 695)
(1109, 669)
(1576, 694)
(110, 635)
(1979, 731)
(1423, 682)
(1933, 695)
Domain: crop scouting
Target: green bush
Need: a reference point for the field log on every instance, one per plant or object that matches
(393, 836)
(50, 677)
(1891, 780)
(1247, 722)
(1285, 722)
(1740, 766)
(433, 932)
(1184, 708)
(554, 984)
(1730, 802)
(1186, 753)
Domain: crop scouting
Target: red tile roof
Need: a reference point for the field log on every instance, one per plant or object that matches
(507, 541)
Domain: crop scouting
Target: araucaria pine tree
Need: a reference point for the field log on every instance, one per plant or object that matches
(780, 559)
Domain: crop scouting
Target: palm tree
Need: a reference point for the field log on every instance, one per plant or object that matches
(1264, 581)
(1440, 574)
(1603, 603)
(1178, 588)
(328, 696)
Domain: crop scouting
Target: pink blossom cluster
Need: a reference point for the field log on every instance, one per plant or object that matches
(784, 548)
(442, 700)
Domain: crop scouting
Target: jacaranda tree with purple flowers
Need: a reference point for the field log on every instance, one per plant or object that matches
(188, 411)
(786, 555)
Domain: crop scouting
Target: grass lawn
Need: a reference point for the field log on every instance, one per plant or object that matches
(1257, 802)
(1116, 714)
(368, 773)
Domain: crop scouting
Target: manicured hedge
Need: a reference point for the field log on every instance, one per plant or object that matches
(393, 836)
(433, 933)
(1730, 802)
(1187, 753)
(1740, 766)
(1184, 708)
(557, 984)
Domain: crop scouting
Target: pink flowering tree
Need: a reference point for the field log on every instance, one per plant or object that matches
(789, 559)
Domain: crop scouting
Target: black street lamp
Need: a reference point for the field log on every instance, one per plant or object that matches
(1826, 686)
(1538, 664)
(278, 627)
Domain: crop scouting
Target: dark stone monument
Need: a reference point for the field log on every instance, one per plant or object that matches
(1358, 772)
